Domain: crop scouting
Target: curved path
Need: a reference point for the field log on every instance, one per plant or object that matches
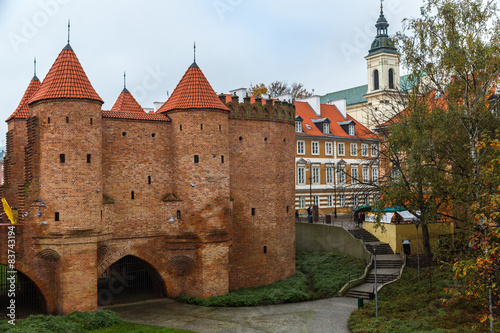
(326, 315)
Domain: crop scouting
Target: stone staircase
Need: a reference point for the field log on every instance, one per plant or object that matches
(388, 265)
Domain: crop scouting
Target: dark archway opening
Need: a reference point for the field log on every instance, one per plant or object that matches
(18, 289)
(129, 280)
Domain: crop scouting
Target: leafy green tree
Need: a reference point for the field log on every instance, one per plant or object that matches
(435, 169)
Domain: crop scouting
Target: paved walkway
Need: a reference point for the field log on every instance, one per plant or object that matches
(327, 315)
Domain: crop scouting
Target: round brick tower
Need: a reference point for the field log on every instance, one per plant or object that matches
(65, 173)
(201, 154)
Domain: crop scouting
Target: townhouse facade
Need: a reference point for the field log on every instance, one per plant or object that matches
(336, 159)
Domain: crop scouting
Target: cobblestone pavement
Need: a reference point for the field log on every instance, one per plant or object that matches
(327, 315)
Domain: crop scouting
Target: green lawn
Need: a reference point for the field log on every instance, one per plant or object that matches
(318, 275)
(410, 305)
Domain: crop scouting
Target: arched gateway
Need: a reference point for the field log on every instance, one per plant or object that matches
(129, 280)
(27, 297)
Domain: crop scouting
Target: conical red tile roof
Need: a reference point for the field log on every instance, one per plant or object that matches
(22, 111)
(193, 92)
(126, 103)
(66, 79)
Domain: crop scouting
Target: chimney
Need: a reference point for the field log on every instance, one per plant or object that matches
(314, 102)
(341, 105)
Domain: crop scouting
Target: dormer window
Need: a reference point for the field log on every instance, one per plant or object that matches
(298, 126)
(351, 130)
(326, 128)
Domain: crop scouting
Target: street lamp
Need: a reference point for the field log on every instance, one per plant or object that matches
(376, 291)
(309, 215)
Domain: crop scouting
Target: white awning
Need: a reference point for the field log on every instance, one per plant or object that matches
(386, 218)
(407, 216)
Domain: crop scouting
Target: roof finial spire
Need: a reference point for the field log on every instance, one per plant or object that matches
(381, 6)
(194, 51)
(34, 68)
(124, 80)
(69, 29)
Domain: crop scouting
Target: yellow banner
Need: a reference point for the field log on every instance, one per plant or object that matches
(8, 211)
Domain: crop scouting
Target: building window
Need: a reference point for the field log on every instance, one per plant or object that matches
(328, 148)
(62, 158)
(330, 201)
(367, 199)
(342, 200)
(220, 128)
(56, 216)
(316, 200)
(253, 211)
(326, 128)
(352, 132)
(124, 133)
(354, 200)
(67, 120)
(341, 149)
(196, 159)
(89, 158)
(149, 179)
(354, 149)
(302, 202)
(364, 149)
(180, 127)
(374, 175)
(395, 173)
(375, 197)
(341, 175)
(375, 80)
(265, 249)
(132, 195)
(366, 175)
(201, 126)
(301, 176)
(178, 214)
(222, 158)
(91, 121)
(391, 78)
(48, 120)
(315, 147)
(329, 175)
(354, 174)
(301, 148)
(374, 151)
(298, 126)
(315, 175)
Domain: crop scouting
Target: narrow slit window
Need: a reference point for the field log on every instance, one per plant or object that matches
(48, 120)
(91, 121)
(178, 214)
(124, 133)
(265, 249)
(287, 208)
(62, 158)
(220, 127)
(149, 179)
(201, 126)
(67, 120)
(180, 127)
(196, 159)
(222, 159)
(132, 195)
(89, 158)
(253, 211)
(56, 216)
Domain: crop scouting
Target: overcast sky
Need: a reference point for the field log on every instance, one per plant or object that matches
(321, 43)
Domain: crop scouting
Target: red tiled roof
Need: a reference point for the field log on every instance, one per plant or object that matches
(66, 79)
(331, 112)
(135, 116)
(126, 103)
(193, 92)
(22, 111)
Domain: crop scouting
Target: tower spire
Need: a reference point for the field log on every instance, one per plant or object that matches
(125, 81)
(69, 30)
(34, 68)
(194, 51)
